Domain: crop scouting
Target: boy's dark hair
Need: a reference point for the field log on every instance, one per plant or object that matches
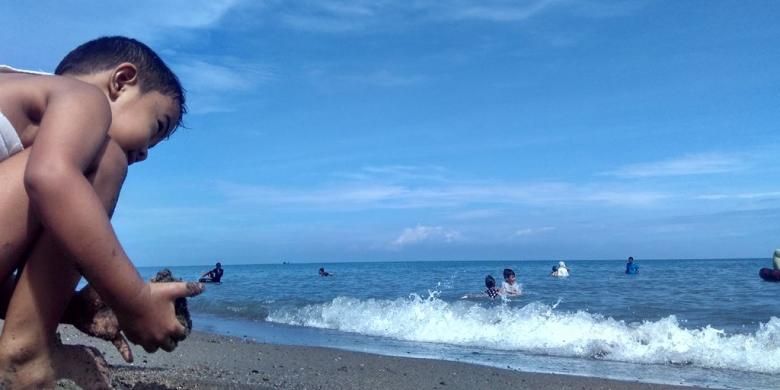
(106, 52)
(490, 282)
(508, 272)
(631, 258)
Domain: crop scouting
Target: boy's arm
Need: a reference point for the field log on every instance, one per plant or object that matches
(71, 137)
(73, 130)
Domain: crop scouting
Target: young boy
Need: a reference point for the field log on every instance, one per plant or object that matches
(510, 287)
(67, 141)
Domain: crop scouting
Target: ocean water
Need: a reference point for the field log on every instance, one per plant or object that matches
(696, 322)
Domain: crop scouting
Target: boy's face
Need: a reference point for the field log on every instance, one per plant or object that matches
(140, 121)
(510, 279)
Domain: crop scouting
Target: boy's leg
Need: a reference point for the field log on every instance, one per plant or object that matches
(18, 225)
(42, 293)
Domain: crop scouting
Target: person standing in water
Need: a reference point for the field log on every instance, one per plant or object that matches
(490, 287)
(510, 287)
(631, 268)
(213, 276)
(561, 271)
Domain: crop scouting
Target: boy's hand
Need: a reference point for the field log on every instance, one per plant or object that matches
(90, 314)
(151, 319)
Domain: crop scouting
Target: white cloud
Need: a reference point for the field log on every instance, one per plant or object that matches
(225, 76)
(210, 83)
(339, 16)
(384, 78)
(693, 164)
(533, 231)
(373, 195)
(500, 11)
(469, 215)
(192, 13)
(421, 233)
(744, 195)
(632, 198)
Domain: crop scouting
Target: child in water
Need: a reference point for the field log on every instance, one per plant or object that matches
(510, 287)
(491, 290)
(66, 141)
(561, 270)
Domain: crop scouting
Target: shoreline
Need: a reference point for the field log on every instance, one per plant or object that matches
(210, 361)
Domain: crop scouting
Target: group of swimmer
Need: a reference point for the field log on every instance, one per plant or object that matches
(510, 287)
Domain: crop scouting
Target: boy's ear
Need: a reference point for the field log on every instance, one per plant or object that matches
(124, 75)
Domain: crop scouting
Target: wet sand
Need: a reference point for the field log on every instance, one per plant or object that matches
(209, 361)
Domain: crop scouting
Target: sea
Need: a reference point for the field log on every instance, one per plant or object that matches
(708, 323)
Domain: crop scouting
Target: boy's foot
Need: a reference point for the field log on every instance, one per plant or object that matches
(20, 370)
(82, 365)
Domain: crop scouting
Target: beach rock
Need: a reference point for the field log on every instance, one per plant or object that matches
(182, 312)
(67, 384)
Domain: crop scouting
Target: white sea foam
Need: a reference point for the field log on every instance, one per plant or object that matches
(542, 329)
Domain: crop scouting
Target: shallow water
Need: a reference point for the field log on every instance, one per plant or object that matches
(705, 322)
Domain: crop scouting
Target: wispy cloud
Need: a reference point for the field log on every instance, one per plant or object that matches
(422, 233)
(340, 16)
(693, 164)
(226, 74)
(742, 195)
(384, 78)
(396, 196)
(209, 83)
(470, 215)
(501, 11)
(396, 173)
(191, 13)
(534, 231)
(333, 76)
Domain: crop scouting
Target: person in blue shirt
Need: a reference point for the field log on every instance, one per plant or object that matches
(631, 268)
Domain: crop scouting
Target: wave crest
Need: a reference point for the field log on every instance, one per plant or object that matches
(541, 329)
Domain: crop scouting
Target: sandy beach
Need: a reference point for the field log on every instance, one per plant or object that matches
(210, 361)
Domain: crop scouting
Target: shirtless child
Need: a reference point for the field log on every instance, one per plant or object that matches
(65, 145)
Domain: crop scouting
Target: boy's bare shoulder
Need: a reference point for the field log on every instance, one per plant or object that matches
(34, 92)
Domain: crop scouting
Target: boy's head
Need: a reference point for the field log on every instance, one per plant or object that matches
(490, 282)
(630, 259)
(219, 265)
(147, 99)
(509, 275)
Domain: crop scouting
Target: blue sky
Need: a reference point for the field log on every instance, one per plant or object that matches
(428, 130)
